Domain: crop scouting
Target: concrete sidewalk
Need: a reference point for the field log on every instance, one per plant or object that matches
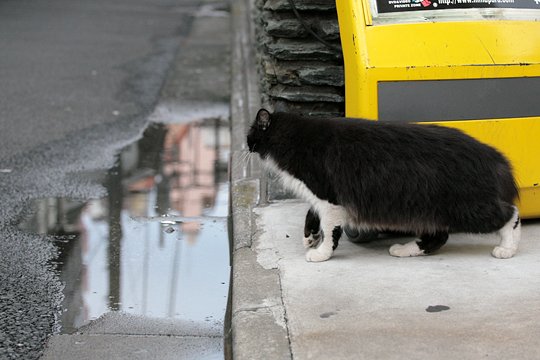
(364, 304)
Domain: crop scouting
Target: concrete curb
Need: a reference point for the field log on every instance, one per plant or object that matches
(257, 314)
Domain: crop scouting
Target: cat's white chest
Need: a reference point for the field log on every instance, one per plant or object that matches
(298, 187)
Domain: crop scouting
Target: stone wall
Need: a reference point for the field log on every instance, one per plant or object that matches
(298, 72)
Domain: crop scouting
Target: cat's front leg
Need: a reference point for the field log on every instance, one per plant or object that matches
(332, 218)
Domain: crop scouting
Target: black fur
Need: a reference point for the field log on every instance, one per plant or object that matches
(336, 235)
(424, 179)
(516, 223)
(312, 225)
(432, 242)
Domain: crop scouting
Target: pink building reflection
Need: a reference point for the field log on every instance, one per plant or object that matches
(190, 158)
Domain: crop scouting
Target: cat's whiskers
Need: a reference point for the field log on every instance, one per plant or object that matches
(247, 156)
(243, 160)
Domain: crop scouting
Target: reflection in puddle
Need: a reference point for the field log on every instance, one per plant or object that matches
(158, 244)
(163, 269)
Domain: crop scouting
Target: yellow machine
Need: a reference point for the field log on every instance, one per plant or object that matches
(469, 64)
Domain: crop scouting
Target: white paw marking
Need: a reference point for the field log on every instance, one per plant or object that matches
(503, 252)
(510, 235)
(318, 255)
(409, 249)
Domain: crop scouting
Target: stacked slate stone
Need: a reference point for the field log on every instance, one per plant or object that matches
(299, 72)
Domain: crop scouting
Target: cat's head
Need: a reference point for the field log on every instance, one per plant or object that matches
(257, 138)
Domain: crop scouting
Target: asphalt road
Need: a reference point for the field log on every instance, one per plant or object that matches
(78, 80)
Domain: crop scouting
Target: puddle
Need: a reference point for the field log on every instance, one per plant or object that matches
(158, 244)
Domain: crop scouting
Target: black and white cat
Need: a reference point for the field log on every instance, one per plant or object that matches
(425, 179)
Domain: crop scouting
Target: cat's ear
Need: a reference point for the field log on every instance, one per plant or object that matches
(263, 119)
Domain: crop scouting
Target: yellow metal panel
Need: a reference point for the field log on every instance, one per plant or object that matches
(367, 12)
(453, 44)
(453, 72)
(429, 51)
(529, 202)
(352, 30)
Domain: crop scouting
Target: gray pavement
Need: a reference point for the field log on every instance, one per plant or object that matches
(67, 66)
(123, 336)
(460, 303)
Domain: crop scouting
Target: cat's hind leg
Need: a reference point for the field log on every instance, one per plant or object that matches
(510, 235)
(428, 244)
(332, 218)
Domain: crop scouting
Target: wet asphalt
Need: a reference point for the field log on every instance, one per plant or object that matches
(78, 82)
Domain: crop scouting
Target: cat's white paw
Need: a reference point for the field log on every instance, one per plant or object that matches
(318, 255)
(503, 252)
(406, 250)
